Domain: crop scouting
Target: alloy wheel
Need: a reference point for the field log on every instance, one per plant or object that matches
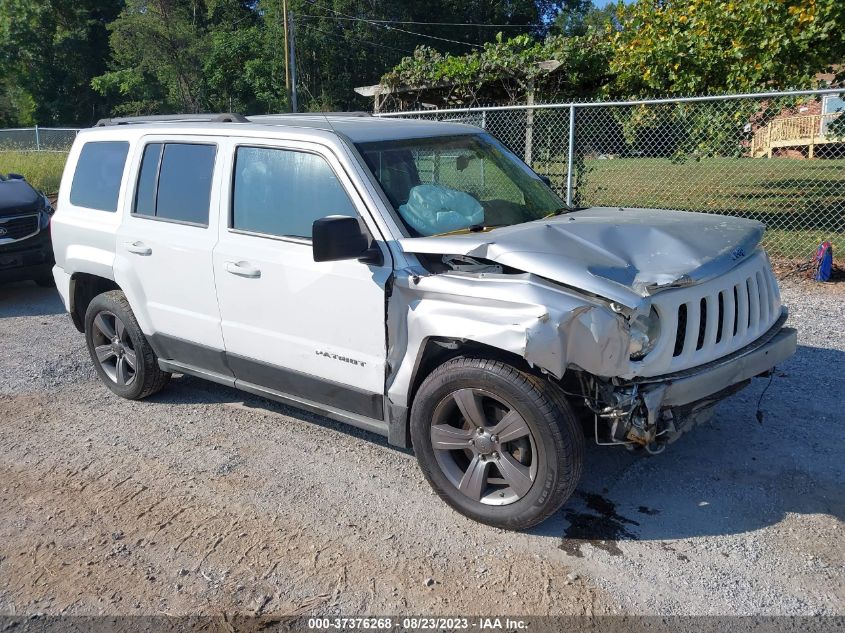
(114, 349)
(484, 447)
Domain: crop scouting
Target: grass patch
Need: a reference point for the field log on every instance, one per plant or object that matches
(802, 202)
(43, 170)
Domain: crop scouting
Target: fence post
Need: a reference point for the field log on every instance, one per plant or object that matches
(37, 140)
(529, 127)
(570, 154)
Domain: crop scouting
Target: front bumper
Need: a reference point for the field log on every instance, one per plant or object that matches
(701, 385)
(698, 383)
(658, 410)
(31, 258)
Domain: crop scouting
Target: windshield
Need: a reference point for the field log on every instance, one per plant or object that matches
(452, 183)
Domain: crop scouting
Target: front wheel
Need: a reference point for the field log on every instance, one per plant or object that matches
(498, 444)
(122, 356)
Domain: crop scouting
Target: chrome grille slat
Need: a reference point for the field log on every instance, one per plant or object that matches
(712, 320)
(693, 323)
(753, 305)
(729, 319)
(765, 296)
(742, 309)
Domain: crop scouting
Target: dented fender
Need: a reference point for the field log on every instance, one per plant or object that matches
(551, 327)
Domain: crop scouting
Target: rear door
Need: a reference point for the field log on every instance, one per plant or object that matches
(165, 244)
(292, 325)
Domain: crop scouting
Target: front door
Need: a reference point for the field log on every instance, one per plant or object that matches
(312, 330)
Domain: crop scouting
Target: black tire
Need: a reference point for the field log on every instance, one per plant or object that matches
(45, 281)
(146, 376)
(556, 441)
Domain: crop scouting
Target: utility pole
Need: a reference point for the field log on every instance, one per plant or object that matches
(287, 60)
(292, 65)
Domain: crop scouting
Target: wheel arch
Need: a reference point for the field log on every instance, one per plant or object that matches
(439, 350)
(83, 288)
(434, 352)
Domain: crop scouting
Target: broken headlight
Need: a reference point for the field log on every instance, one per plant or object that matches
(644, 331)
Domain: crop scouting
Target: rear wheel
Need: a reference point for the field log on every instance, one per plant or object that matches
(122, 356)
(498, 444)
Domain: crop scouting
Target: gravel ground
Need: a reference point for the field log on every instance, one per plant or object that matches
(203, 499)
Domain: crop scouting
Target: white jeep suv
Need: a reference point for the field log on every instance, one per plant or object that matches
(412, 278)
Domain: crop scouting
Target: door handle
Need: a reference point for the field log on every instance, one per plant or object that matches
(138, 248)
(243, 269)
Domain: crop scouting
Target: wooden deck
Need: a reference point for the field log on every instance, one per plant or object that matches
(794, 132)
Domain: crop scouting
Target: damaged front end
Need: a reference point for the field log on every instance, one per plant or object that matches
(604, 355)
(653, 412)
(636, 418)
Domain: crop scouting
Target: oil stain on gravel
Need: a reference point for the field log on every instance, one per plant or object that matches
(602, 528)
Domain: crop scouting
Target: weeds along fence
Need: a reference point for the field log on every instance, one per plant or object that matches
(778, 157)
(36, 152)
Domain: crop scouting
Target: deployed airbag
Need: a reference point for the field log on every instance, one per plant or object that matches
(433, 209)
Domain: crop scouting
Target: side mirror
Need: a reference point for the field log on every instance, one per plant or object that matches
(546, 180)
(339, 237)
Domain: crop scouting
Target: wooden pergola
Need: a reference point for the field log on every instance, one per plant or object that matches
(442, 94)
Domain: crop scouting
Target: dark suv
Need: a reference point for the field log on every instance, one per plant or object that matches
(25, 248)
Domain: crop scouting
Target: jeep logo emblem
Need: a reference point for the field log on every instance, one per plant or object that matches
(3, 231)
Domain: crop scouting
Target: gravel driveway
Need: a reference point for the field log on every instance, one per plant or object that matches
(203, 499)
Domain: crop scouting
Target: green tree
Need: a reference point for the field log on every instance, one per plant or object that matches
(158, 48)
(692, 47)
(195, 55)
(571, 18)
(50, 50)
(707, 46)
(190, 55)
(342, 47)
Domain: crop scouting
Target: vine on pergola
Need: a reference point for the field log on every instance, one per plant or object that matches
(502, 72)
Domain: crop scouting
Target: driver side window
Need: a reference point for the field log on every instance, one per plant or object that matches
(282, 192)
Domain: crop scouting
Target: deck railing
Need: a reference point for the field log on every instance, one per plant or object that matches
(795, 131)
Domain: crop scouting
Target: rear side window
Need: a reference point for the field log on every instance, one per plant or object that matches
(175, 182)
(281, 192)
(96, 181)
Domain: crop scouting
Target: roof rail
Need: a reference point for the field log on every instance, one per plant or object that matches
(317, 114)
(357, 113)
(222, 117)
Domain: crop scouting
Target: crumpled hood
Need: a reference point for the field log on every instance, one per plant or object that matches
(620, 254)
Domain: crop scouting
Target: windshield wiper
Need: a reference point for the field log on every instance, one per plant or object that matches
(558, 212)
(475, 228)
(561, 211)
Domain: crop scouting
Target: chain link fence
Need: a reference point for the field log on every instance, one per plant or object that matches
(774, 157)
(40, 139)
